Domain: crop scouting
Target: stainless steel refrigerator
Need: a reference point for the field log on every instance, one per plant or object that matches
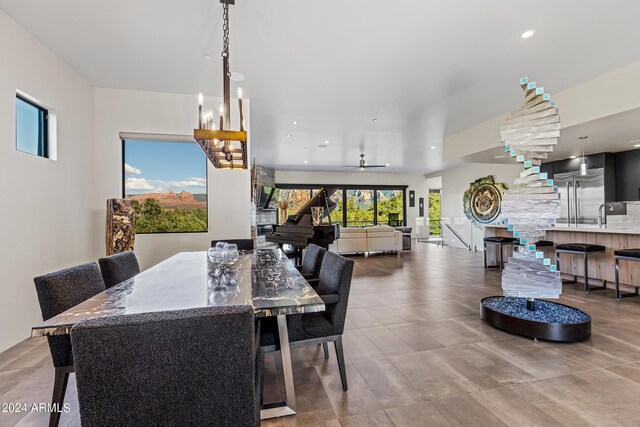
(580, 196)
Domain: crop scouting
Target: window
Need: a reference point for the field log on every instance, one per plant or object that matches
(390, 207)
(360, 208)
(365, 205)
(292, 200)
(31, 128)
(336, 214)
(167, 182)
(434, 213)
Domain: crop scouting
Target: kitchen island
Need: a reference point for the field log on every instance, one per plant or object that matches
(601, 267)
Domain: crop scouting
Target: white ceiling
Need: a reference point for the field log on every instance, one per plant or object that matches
(618, 132)
(424, 68)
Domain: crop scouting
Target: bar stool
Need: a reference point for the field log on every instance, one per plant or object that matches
(625, 255)
(584, 249)
(546, 246)
(501, 242)
(539, 244)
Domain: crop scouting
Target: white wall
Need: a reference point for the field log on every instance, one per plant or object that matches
(45, 208)
(454, 183)
(416, 182)
(608, 94)
(163, 113)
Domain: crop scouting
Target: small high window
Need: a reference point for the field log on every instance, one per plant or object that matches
(32, 128)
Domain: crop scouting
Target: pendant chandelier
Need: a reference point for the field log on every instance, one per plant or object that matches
(226, 148)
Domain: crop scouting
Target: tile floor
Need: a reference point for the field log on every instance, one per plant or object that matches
(419, 355)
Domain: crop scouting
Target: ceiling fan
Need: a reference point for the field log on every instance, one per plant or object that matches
(363, 165)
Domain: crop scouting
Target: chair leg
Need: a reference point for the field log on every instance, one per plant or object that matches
(501, 248)
(588, 288)
(620, 295)
(325, 347)
(340, 357)
(617, 271)
(59, 390)
(484, 262)
(586, 273)
(261, 378)
(564, 282)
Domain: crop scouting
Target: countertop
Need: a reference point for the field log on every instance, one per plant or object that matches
(585, 228)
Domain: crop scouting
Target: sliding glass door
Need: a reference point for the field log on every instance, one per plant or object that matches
(390, 207)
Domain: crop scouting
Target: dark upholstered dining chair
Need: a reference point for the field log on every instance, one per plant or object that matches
(175, 368)
(58, 292)
(118, 268)
(324, 327)
(310, 267)
(243, 244)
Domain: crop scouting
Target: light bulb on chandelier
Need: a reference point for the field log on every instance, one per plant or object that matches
(233, 152)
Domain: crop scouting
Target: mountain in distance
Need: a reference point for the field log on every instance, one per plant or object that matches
(171, 200)
(201, 197)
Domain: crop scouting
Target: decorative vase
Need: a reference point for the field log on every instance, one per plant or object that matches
(317, 212)
(283, 216)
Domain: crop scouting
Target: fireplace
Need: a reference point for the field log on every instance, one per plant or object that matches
(264, 229)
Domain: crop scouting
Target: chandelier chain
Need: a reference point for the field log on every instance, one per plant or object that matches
(225, 35)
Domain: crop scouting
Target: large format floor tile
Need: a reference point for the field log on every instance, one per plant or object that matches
(417, 354)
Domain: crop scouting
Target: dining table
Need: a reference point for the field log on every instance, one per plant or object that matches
(263, 278)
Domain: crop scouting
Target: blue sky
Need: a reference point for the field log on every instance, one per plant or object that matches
(152, 167)
(27, 125)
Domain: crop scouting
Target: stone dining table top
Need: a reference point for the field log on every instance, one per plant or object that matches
(265, 279)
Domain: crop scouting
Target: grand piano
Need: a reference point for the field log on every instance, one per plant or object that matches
(299, 231)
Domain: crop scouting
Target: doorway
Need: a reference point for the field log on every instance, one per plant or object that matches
(434, 218)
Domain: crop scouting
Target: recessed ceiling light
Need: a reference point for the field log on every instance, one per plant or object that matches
(499, 156)
(583, 137)
(637, 145)
(433, 147)
(294, 123)
(305, 162)
(527, 34)
(288, 135)
(374, 120)
(388, 164)
(573, 157)
(326, 142)
(207, 57)
(236, 76)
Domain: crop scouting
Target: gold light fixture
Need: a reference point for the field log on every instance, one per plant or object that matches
(227, 149)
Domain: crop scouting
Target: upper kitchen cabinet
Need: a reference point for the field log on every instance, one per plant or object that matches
(628, 176)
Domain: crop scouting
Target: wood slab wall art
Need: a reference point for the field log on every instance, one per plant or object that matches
(121, 219)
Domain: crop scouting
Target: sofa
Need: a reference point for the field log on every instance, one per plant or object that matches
(379, 238)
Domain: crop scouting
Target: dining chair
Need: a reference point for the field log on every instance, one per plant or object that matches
(118, 267)
(186, 367)
(58, 292)
(324, 327)
(310, 267)
(243, 244)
